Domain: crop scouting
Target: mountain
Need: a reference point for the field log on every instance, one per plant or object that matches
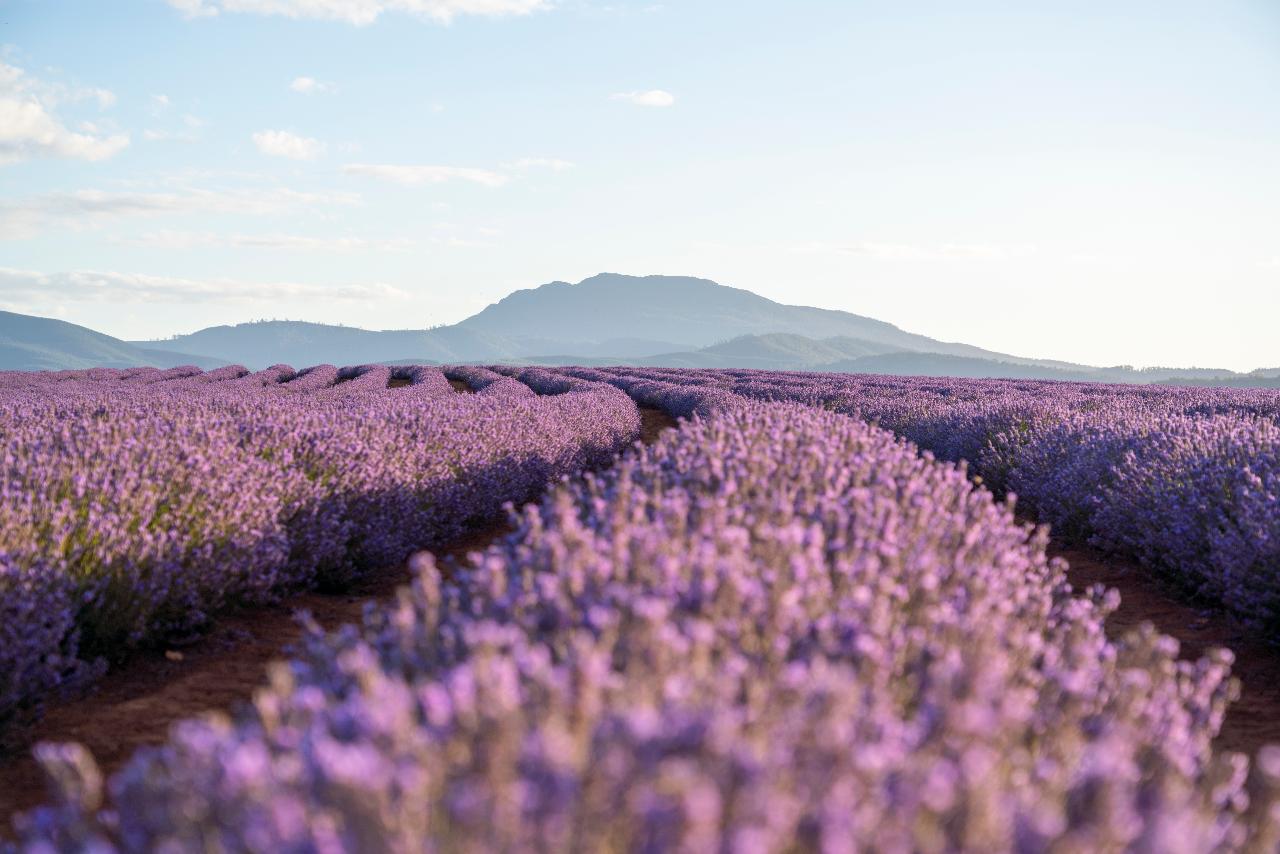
(938, 364)
(260, 344)
(841, 354)
(30, 343)
(778, 351)
(694, 313)
(608, 319)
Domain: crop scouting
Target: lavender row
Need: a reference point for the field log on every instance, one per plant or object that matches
(133, 504)
(677, 398)
(487, 382)
(1185, 480)
(779, 629)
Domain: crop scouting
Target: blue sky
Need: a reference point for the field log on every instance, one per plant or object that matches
(1092, 181)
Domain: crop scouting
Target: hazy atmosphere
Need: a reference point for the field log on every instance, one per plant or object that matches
(1093, 182)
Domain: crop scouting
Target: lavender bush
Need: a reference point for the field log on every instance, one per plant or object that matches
(778, 629)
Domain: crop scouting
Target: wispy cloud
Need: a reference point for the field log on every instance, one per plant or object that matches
(651, 98)
(190, 132)
(194, 8)
(310, 86)
(27, 216)
(361, 12)
(412, 175)
(25, 288)
(29, 127)
(552, 163)
(293, 242)
(282, 143)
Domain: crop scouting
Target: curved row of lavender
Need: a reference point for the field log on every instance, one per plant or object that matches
(1186, 480)
(487, 382)
(133, 503)
(776, 629)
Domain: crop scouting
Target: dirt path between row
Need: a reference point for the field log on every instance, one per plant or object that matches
(136, 703)
(652, 423)
(1253, 720)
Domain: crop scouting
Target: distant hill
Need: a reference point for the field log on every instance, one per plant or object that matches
(937, 364)
(1253, 379)
(258, 345)
(787, 352)
(30, 343)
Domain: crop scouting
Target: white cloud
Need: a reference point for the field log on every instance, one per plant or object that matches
(159, 103)
(361, 12)
(27, 216)
(29, 128)
(412, 175)
(552, 163)
(651, 98)
(25, 288)
(192, 239)
(310, 86)
(281, 143)
(194, 8)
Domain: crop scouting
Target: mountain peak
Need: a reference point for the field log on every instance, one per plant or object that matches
(690, 311)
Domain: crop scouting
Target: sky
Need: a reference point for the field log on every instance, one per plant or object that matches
(1091, 181)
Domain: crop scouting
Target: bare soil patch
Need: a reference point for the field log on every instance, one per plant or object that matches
(399, 382)
(1254, 719)
(653, 422)
(461, 387)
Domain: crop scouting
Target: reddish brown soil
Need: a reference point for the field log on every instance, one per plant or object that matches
(652, 423)
(1254, 719)
(460, 386)
(137, 702)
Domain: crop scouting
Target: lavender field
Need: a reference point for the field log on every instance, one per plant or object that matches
(135, 503)
(817, 615)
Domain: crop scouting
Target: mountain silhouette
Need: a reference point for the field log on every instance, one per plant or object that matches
(693, 313)
(607, 319)
(30, 343)
(298, 343)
